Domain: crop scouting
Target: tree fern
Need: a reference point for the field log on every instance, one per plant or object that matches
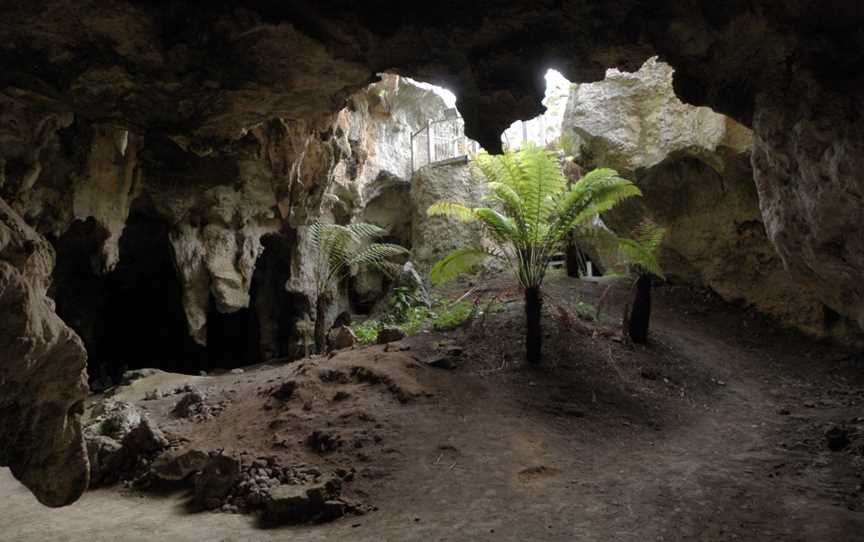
(531, 213)
(341, 251)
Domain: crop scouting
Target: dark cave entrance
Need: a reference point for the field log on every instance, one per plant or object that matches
(132, 317)
(232, 338)
(275, 308)
(145, 325)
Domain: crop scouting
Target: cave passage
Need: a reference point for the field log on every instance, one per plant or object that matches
(132, 317)
(145, 325)
(232, 338)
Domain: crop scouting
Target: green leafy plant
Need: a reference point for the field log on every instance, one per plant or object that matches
(367, 332)
(341, 251)
(453, 316)
(414, 319)
(532, 210)
(402, 300)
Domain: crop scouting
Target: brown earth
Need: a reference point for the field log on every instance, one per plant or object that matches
(714, 431)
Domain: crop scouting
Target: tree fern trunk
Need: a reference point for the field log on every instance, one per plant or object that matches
(534, 331)
(640, 313)
(321, 323)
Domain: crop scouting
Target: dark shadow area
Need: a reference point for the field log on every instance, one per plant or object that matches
(145, 325)
(232, 338)
(132, 317)
(78, 291)
(276, 309)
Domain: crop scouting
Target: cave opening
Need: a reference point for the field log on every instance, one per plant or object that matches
(132, 317)
(276, 310)
(145, 325)
(232, 338)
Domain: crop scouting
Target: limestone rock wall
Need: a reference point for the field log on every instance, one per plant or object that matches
(808, 156)
(634, 120)
(435, 237)
(693, 166)
(42, 372)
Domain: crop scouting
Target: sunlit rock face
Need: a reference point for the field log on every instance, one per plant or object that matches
(634, 120)
(693, 166)
(42, 372)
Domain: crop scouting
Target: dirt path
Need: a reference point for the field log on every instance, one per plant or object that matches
(714, 432)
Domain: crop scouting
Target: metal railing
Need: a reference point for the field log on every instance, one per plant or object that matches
(440, 141)
(448, 140)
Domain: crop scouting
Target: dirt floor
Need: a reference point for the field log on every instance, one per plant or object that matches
(720, 429)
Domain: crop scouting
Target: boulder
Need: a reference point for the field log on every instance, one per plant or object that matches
(432, 238)
(390, 334)
(175, 465)
(99, 450)
(113, 419)
(341, 337)
(112, 461)
(145, 440)
(291, 504)
(693, 167)
(410, 280)
(190, 404)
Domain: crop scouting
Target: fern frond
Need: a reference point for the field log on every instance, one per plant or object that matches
(540, 184)
(361, 230)
(507, 197)
(377, 253)
(501, 227)
(597, 192)
(456, 263)
(452, 210)
(642, 250)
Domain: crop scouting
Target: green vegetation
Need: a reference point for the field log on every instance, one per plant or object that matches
(641, 253)
(341, 251)
(453, 316)
(367, 332)
(533, 211)
(585, 311)
(412, 316)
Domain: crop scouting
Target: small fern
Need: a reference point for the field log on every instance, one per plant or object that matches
(341, 252)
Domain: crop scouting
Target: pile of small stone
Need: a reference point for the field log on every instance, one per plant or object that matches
(258, 479)
(194, 404)
(290, 494)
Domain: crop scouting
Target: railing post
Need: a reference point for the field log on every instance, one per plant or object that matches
(524, 132)
(430, 146)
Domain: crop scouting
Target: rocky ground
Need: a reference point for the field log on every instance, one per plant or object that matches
(723, 428)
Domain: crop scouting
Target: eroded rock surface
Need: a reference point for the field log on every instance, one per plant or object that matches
(435, 237)
(693, 166)
(634, 120)
(42, 372)
(807, 160)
